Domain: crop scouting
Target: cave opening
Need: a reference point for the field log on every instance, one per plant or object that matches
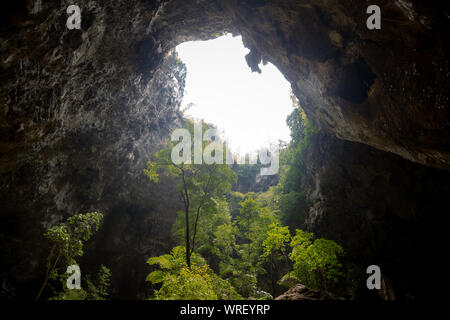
(85, 109)
(248, 108)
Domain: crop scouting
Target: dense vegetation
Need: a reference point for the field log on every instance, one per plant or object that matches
(231, 245)
(242, 241)
(67, 241)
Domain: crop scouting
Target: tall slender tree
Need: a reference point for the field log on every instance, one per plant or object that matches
(199, 186)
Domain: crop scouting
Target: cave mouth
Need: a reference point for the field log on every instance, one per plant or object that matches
(76, 131)
(249, 108)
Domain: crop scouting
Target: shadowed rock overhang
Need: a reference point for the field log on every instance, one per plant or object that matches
(386, 88)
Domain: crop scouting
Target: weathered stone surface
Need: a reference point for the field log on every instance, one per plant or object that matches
(301, 292)
(383, 210)
(81, 110)
(387, 88)
(77, 128)
(97, 164)
(251, 180)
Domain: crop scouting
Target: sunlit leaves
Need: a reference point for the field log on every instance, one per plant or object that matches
(193, 283)
(152, 171)
(156, 276)
(182, 283)
(276, 240)
(67, 243)
(291, 186)
(315, 262)
(201, 189)
(68, 237)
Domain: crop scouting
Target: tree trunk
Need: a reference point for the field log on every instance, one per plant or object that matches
(188, 245)
(186, 212)
(48, 273)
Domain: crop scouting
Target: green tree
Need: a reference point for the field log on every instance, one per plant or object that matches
(316, 263)
(97, 289)
(192, 283)
(293, 203)
(274, 249)
(233, 201)
(224, 245)
(171, 264)
(201, 186)
(252, 225)
(180, 282)
(254, 218)
(276, 240)
(207, 230)
(246, 175)
(67, 242)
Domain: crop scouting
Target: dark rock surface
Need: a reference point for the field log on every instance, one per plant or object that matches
(301, 292)
(387, 88)
(77, 128)
(383, 210)
(249, 179)
(82, 110)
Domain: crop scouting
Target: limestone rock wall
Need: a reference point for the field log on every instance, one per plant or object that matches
(386, 88)
(78, 124)
(384, 210)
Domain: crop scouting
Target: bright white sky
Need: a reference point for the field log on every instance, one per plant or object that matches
(250, 108)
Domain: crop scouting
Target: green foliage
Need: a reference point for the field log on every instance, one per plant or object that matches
(254, 222)
(210, 221)
(220, 34)
(296, 121)
(291, 186)
(223, 288)
(96, 290)
(68, 237)
(67, 244)
(152, 172)
(99, 289)
(254, 219)
(250, 228)
(270, 198)
(293, 207)
(179, 282)
(240, 235)
(276, 240)
(246, 175)
(67, 294)
(202, 188)
(234, 200)
(316, 263)
(225, 241)
(193, 283)
(171, 264)
(218, 240)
